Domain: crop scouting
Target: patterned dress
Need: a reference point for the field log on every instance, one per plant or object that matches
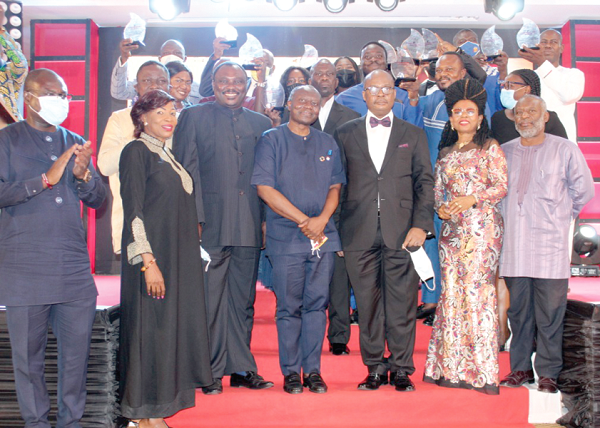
(463, 350)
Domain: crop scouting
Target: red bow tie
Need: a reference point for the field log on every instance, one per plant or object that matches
(373, 121)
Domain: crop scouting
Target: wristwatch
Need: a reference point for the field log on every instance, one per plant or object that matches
(86, 177)
(261, 84)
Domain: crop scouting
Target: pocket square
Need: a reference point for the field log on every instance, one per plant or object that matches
(403, 146)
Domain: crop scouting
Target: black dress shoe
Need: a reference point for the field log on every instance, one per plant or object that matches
(373, 381)
(315, 383)
(547, 384)
(292, 384)
(339, 349)
(429, 320)
(252, 380)
(402, 382)
(215, 388)
(424, 313)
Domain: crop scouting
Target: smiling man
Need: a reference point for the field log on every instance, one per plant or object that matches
(549, 183)
(387, 206)
(215, 143)
(561, 87)
(299, 174)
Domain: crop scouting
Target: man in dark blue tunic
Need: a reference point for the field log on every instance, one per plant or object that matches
(298, 173)
(45, 172)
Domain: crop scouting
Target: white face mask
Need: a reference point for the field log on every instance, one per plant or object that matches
(53, 109)
(168, 58)
(507, 98)
(422, 264)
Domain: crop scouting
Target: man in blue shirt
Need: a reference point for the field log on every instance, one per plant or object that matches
(374, 57)
(45, 279)
(298, 173)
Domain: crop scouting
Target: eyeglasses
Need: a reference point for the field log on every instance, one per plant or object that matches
(460, 112)
(374, 90)
(506, 84)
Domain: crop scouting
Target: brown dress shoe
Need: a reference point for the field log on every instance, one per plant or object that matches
(518, 378)
(547, 384)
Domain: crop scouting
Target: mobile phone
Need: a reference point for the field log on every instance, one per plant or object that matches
(249, 67)
(231, 43)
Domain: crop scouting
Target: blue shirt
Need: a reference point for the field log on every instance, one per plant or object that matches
(43, 252)
(353, 98)
(302, 169)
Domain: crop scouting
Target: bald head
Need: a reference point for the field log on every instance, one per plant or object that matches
(172, 47)
(37, 78)
(464, 36)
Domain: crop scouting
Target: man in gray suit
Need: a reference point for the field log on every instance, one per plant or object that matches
(331, 116)
(215, 143)
(387, 206)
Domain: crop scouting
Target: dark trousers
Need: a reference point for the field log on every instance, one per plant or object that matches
(28, 329)
(230, 288)
(339, 303)
(301, 284)
(541, 303)
(385, 285)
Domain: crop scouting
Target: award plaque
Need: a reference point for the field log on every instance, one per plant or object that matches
(310, 57)
(249, 51)
(528, 36)
(491, 43)
(408, 57)
(135, 30)
(228, 32)
(390, 52)
(430, 52)
(274, 94)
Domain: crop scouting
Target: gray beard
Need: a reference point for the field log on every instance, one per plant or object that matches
(538, 128)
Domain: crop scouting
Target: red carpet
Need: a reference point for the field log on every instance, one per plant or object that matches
(344, 406)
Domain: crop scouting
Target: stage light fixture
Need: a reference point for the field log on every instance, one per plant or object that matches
(585, 245)
(335, 6)
(387, 5)
(504, 10)
(168, 10)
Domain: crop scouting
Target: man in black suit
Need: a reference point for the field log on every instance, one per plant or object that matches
(331, 116)
(215, 143)
(387, 206)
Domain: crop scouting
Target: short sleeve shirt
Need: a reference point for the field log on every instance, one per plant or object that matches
(302, 169)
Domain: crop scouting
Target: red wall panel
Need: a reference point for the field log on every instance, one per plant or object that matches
(60, 39)
(592, 78)
(592, 208)
(73, 72)
(587, 119)
(586, 40)
(76, 120)
(591, 152)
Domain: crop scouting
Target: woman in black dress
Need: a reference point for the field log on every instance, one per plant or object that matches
(164, 352)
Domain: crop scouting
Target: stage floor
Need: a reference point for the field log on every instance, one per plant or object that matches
(344, 405)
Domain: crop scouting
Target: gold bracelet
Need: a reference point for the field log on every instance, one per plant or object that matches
(145, 268)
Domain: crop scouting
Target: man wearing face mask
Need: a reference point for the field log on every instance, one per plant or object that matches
(374, 57)
(118, 133)
(123, 89)
(215, 143)
(45, 174)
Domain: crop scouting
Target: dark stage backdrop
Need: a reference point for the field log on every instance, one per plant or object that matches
(282, 41)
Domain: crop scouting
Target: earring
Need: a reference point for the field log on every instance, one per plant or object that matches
(145, 123)
(452, 127)
(479, 127)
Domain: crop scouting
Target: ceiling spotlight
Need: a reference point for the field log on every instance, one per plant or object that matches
(335, 6)
(285, 5)
(505, 10)
(168, 10)
(387, 5)
(585, 241)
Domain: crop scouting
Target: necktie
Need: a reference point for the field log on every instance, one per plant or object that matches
(373, 121)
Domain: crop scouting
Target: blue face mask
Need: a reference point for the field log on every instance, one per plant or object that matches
(507, 98)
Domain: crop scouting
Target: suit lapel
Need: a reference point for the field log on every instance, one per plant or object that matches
(396, 136)
(331, 123)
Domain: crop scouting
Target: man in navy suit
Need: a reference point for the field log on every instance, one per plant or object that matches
(387, 206)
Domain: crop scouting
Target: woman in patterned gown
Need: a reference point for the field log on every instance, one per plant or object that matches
(470, 181)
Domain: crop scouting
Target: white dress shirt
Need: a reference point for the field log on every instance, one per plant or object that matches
(378, 138)
(324, 112)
